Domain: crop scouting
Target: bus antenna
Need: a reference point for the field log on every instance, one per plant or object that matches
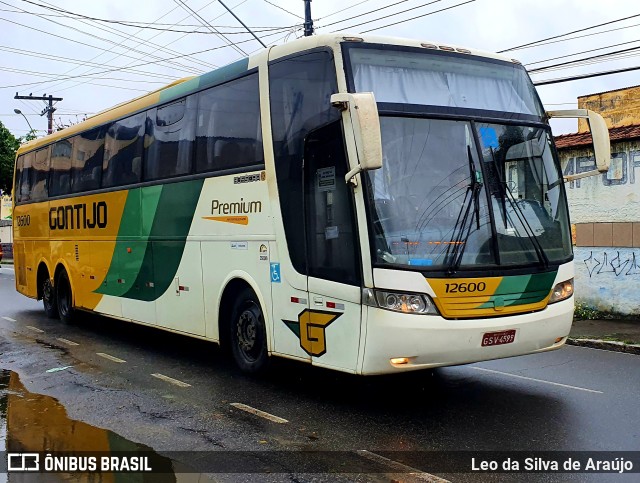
(308, 21)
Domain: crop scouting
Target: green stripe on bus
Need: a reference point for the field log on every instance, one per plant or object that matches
(171, 224)
(522, 289)
(131, 245)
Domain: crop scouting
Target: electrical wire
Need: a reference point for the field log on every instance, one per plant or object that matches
(197, 16)
(534, 43)
(582, 52)
(418, 16)
(390, 15)
(144, 25)
(342, 10)
(577, 62)
(584, 76)
(117, 69)
(365, 13)
(283, 9)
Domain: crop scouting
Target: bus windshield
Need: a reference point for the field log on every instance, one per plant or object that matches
(429, 78)
(461, 193)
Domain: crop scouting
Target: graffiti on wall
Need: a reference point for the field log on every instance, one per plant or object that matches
(622, 168)
(612, 262)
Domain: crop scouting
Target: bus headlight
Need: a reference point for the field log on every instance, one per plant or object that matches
(561, 291)
(408, 303)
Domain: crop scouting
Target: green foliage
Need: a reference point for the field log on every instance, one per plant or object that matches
(586, 312)
(8, 146)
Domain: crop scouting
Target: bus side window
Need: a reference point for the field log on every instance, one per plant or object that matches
(19, 168)
(40, 174)
(60, 174)
(228, 133)
(170, 136)
(25, 179)
(123, 144)
(88, 152)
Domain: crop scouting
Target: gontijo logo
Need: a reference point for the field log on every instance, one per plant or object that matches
(78, 216)
(233, 212)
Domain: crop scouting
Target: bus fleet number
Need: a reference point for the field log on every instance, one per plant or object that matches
(23, 220)
(465, 287)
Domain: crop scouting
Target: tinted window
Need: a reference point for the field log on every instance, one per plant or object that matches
(300, 92)
(228, 132)
(60, 175)
(123, 151)
(25, 179)
(39, 175)
(86, 166)
(16, 188)
(170, 135)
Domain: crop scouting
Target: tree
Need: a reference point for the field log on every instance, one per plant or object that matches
(8, 146)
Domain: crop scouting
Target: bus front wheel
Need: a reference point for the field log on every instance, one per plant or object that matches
(64, 298)
(248, 335)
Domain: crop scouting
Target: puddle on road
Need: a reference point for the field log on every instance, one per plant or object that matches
(36, 423)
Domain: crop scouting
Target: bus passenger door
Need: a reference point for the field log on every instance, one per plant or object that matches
(331, 331)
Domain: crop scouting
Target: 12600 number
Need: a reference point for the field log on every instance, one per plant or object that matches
(23, 220)
(465, 287)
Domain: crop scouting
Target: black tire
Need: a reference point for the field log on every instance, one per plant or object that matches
(64, 298)
(49, 300)
(248, 335)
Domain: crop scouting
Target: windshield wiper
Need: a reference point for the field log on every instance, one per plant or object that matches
(462, 227)
(508, 194)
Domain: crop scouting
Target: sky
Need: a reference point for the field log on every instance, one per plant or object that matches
(53, 48)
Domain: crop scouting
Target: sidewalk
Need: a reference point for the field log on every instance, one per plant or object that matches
(615, 335)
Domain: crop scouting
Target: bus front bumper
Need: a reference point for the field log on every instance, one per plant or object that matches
(424, 341)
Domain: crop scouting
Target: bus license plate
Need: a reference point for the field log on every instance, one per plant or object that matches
(497, 338)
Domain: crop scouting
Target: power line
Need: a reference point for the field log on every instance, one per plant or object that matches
(584, 76)
(208, 25)
(242, 23)
(131, 48)
(367, 13)
(125, 68)
(110, 30)
(580, 61)
(72, 40)
(69, 60)
(517, 47)
(390, 15)
(284, 10)
(419, 16)
(582, 52)
(142, 25)
(344, 9)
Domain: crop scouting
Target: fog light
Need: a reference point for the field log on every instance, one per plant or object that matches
(399, 360)
(559, 339)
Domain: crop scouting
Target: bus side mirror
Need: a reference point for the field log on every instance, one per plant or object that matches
(363, 112)
(600, 136)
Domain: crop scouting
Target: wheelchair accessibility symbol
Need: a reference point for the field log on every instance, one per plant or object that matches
(275, 273)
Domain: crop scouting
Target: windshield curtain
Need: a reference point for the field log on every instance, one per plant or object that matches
(441, 201)
(448, 80)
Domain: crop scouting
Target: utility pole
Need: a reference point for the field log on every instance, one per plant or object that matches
(48, 110)
(308, 21)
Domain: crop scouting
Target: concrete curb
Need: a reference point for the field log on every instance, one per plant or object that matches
(607, 345)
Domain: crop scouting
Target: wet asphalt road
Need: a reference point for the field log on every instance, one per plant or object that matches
(567, 400)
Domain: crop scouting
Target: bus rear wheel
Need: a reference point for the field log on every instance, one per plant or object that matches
(49, 298)
(64, 298)
(248, 335)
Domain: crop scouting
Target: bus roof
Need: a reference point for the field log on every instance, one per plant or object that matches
(181, 87)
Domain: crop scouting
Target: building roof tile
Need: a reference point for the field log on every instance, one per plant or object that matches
(623, 133)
